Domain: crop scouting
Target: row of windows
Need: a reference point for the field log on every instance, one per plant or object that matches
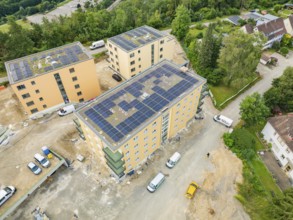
(21, 87)
(127, 154)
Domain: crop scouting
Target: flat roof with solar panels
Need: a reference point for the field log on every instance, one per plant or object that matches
(136, 38)
(46, 61)
(121, 112)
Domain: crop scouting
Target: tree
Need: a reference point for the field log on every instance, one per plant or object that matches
(253, 109)
(286, 40)
(240, 56)
(155, 20)
(181, 22)
(18, 44)
(281, 93)
(282, 206)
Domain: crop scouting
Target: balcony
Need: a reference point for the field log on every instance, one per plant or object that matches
(114, 161)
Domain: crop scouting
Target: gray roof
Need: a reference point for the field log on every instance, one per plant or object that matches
(121, 112)
(234, 19)
(46, 61)
(136, 38)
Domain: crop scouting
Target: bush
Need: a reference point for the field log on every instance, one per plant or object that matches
(199, 35)
(6, 83)
(284, 51)
(277, 8)
(276, 45)
(199, 26)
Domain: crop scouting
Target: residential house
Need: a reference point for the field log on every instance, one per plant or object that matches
(279, 132)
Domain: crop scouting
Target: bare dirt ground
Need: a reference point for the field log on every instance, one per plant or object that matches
(105, 76)
(215, 199)
(179, 56)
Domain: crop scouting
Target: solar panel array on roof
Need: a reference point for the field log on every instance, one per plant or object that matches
(234, 19)
(136, 37)
(163, 84)
(43, 62)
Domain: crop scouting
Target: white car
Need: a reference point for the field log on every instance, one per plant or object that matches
(42, 160)
(34, 168)
(6, 193)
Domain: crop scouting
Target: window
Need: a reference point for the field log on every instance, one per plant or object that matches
(154, 131)
(81, 100)
(112, 59)
(113, 66)
(146, 130)
(146, 145)
(33, 82)
(154, 145)
(71, 70)
(161, 56)
(139, 59)
(111, 52)
(139, 66)
(41, 99)
(177, 112)
(37, 91)
(162, 41)
(145, 139)
(136, 138)
(128, 159)
(115, 48)
(155, 123)
(178, 105)
(77, 86)
(282, 156)
(127, 154)
(117, 63)
(161, 49)
(74, 78)
(30, 103)
(44, 106)
(146, 151)
(34, 110)
(137, 159)
(110, 45)
(118, 69)
(116, 56)
(21, 87)
(137, 152)
(136, 146)
(132, 62)
(126, 146)
(133, 69)
(131, 55)
(79, 93)
(154, 139)
(26, 95)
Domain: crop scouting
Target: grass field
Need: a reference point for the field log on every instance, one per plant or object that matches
(222, 92)
(25, 24)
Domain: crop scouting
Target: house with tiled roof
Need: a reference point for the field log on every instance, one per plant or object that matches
(279, 132)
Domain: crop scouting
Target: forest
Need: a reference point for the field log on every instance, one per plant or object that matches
(97, 23)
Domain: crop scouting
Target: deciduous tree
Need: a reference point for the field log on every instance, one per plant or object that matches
(180, 24)
(253, 109)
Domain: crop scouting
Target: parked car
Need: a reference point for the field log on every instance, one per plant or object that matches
(66, 110)
(6, 193)
(34, 168)
(223, 120)
(173, 160)
(42, 160)
(117, 77)
(156, 182)
(97, 44)
(191, 190)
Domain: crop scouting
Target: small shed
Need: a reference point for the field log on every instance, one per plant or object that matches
(265, 59)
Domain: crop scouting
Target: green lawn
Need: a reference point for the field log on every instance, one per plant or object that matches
(3, 74)
(265, 177)
(222, 92)
(24, 24)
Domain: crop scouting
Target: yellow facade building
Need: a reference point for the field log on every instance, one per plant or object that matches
(136, 50)
(125, 125)
(50, 79)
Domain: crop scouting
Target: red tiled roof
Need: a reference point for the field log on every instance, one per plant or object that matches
(284, 127)
(273, 28)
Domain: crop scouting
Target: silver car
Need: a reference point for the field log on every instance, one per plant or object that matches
(34, 168)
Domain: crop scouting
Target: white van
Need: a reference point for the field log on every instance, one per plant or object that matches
(42, 160)
(6, 193)
(156, 182)
(173, 160)
(66, 110)
(97, 44)
(223, 120)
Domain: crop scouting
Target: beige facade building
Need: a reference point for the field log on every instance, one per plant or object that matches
(136, 50)
(125, 125)
(50, 79)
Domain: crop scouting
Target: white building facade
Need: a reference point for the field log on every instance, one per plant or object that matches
(278, 132)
